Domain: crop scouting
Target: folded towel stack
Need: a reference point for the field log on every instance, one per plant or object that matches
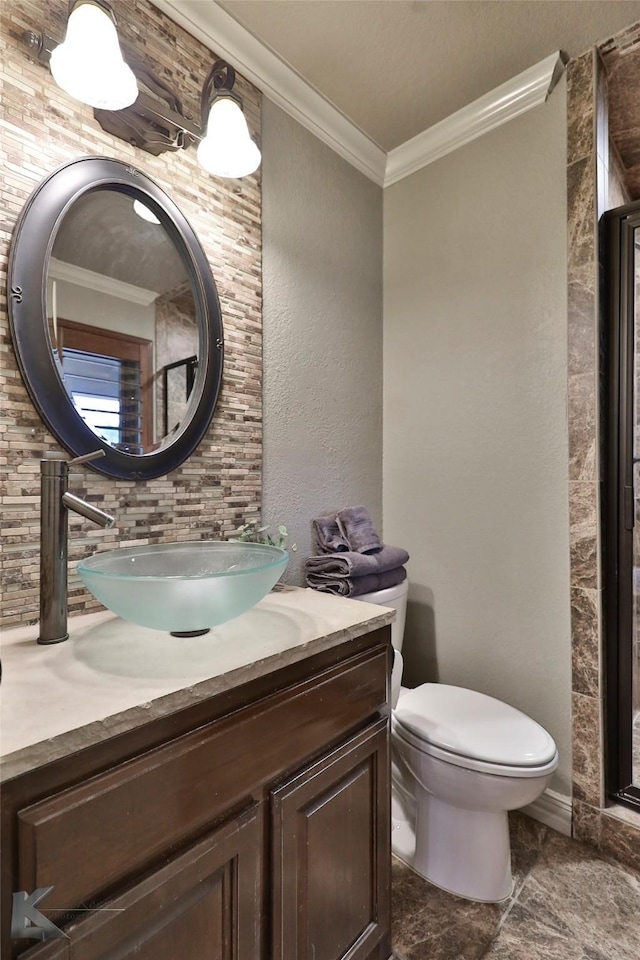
(351, 558)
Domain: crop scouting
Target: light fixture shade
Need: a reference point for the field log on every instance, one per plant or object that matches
(227, 149)
(144, 212)
(89, 65)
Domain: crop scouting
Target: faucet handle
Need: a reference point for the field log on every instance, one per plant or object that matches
(95, 455)
(56, 467)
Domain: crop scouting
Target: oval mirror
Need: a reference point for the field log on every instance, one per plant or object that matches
(115, 318)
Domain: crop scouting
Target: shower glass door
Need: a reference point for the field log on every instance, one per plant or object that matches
(621, 502)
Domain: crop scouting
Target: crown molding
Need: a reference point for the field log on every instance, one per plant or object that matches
(223, 35)
(100, 283)
(509, 100)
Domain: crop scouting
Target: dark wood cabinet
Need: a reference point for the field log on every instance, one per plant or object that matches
(255, 826)
(205, 902)
(331, 837)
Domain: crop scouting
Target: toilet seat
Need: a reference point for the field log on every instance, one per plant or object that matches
(468, 763)
(472, 730)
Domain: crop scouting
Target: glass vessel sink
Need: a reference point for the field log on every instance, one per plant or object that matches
(184, 588)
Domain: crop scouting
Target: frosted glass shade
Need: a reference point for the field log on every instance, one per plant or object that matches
(89, 65)
(227, 149)
(144, 212)
(183, 586)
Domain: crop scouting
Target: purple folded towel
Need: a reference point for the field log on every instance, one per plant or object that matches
(356, 586)
(328, 536)
(352, 564)
(355, 526)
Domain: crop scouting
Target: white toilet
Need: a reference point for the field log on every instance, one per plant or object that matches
(461, 760)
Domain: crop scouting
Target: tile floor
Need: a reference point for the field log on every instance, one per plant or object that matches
(569, 903)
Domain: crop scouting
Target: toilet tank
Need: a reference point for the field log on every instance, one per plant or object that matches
(395, 597)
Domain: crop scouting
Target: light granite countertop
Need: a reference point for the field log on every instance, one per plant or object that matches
(111, 676)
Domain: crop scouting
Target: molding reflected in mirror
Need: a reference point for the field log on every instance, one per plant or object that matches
(100, 302)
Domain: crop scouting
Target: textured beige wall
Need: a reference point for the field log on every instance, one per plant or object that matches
(40, 129)
(475, 432)
(322, 327)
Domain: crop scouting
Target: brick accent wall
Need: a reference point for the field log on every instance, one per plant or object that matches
(40, 129)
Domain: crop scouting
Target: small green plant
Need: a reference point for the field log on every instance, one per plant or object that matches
(251, 532)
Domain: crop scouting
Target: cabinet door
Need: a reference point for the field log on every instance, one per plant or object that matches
(53, 950)
(332, 855)
(204, 904)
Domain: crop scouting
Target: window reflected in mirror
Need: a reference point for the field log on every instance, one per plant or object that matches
(107, 375)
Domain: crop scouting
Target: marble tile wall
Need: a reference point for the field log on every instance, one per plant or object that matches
(586, 600)
(592, 185)
(621, 56)
(40, 129)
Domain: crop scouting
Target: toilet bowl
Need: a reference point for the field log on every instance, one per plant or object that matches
(460, 761)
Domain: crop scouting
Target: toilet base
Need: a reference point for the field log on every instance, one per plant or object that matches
(466, 852)
(403, 834)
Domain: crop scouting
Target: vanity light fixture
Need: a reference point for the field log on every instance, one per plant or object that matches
(227, 149)
(89, 64)
(130, 102)
(144, 212)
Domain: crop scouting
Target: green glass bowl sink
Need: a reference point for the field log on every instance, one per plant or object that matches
(183, 588)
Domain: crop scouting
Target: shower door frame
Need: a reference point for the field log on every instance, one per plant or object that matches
(618, 508)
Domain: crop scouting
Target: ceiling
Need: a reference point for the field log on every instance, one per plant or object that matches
(394, 68)
(102, 233)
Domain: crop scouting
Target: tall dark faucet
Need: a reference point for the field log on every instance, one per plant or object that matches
(55, 502)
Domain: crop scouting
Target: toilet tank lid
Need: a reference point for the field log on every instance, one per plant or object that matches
(472, 724)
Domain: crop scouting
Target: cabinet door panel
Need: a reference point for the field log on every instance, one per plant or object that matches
(205, 904)
(53, 950)
(331, 839)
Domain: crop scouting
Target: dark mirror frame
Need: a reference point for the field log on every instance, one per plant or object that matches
(29, 258)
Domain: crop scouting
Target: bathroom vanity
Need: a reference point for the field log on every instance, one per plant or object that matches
(228, 800)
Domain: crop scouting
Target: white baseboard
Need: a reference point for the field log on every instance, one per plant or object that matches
(553, 809)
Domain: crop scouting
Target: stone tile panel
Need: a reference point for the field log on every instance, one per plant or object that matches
(580, 100)
(582, 426)
(587, 749)
(526, 936)
(583, 534)
(621, 840)
(587, 898)
(581, 212)
(582, 321)
(586, 642)
(586, 823)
